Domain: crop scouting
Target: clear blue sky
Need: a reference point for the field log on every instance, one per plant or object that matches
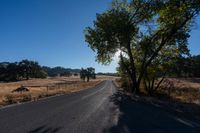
(51, 32)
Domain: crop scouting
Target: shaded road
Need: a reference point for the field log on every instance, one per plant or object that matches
(97, 110)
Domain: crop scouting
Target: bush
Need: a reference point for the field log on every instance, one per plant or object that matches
(9, 99)
(125, 84)
(26, 98)
(21, 89)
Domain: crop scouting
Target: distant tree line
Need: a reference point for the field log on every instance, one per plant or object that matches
(55, 71)
(22, 70)
(186, 67)
(26, 69)
(86, 74)
(107, 74)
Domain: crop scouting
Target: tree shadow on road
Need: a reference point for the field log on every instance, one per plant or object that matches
(44, 129)
(137, 117)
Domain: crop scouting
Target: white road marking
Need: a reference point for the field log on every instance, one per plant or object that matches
(184, 122)
(84, 97)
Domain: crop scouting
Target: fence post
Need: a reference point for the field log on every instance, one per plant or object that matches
(47, 89)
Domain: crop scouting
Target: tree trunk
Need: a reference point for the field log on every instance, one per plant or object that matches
(158, 85)
(27, 76)
(136, 85)
(88, 78)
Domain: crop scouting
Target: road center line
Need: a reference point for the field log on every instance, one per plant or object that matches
(84, 97)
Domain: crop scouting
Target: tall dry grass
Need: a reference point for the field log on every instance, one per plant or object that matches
(186, 90)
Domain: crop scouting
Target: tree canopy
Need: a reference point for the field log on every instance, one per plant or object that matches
(148, 33)
(87, 73)
(24, 69)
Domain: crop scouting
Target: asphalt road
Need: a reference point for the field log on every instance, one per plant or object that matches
(97, 110)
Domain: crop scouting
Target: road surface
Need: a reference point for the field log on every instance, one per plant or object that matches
(97, 110)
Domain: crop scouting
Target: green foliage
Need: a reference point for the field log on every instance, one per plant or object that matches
(150, 34)
(55, 71)
(24, 69)
(9, 71)
(41, 74)
(83, 74)
(107, 36)
(9, 99)
(87, 73)
(30, 69)
(26, 98)
(186, 67)
(125, 80)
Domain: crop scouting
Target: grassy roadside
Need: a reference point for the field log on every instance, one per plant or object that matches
(184, 97)
(41, 88)
(29, 96)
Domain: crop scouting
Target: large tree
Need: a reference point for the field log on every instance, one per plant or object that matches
(87, 73)
(24, 69)
(140, 30)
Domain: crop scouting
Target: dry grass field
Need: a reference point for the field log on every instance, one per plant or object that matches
(184, 96)
(184, 89)
(39, 88)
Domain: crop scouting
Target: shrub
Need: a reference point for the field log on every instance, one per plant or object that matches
(9, 99)
(26, 98)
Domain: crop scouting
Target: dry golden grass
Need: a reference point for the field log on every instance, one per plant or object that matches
(186, 82)
(185, 90)
(184, 97)
(39, 88)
